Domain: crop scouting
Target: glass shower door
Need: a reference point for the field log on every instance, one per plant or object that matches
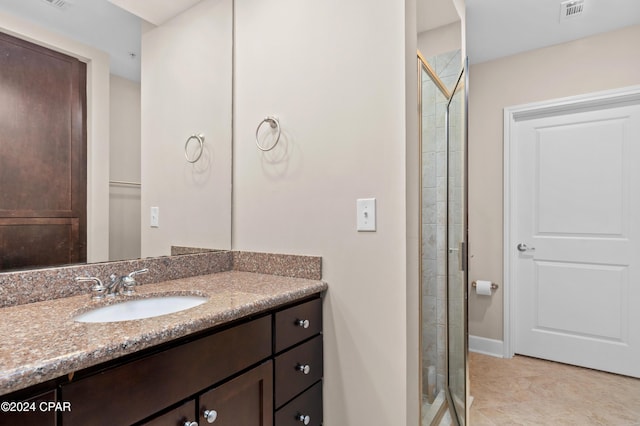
(443, 303)
(457, 367)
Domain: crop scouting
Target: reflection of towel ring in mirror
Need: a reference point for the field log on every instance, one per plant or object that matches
(200, 139)
(275, 124)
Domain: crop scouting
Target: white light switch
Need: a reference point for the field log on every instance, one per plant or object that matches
(155, 217)
(366, 208)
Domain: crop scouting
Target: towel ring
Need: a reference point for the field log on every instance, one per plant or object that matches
(275, 124)
(200, 139)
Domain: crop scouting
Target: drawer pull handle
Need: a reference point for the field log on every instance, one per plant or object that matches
(303, 419)
(188, 423)
(210, 415)
(302, 323)
(304, 368)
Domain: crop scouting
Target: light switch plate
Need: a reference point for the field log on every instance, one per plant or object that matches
(154, 220)
(366, 209)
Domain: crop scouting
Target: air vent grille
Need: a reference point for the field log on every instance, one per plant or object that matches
(571, 9)
(58, 4)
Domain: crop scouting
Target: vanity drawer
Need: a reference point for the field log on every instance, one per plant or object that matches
(140, 388)
(307, 404)
(297, 369)
(290, 325)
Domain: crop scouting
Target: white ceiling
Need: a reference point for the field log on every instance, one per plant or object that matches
(497, 28)
(113, 26)
(494, 28)
(96, 23)
(155, 11)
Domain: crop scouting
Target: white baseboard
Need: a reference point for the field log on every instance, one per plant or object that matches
(485, 346)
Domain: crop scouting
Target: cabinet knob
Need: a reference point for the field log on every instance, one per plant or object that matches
(303, 419)
(188, 423)
(304, 368)
(210, 415)
(302, 323)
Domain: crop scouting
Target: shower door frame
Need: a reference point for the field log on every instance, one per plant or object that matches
(424, 65)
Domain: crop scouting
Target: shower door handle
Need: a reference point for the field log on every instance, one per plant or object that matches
(462, 255)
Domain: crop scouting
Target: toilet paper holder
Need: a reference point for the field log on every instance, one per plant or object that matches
(494, 286)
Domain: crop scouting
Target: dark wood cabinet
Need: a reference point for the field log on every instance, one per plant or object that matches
(298, 364)
(297, 323)
(180, 416)
(30, 411)
(246, 400)
(298, 369)
(138, 389)
(232, 376)
(306, 409)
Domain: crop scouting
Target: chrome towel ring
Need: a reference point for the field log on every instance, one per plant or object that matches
(200, 139)
(275, 124)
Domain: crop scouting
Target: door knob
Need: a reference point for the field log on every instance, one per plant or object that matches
(523, 247)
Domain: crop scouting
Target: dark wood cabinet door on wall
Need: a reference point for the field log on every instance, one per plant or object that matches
(43, 159)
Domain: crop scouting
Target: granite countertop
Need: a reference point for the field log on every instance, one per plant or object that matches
(41, 341)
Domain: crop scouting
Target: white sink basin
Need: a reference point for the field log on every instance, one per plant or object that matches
(141, 308)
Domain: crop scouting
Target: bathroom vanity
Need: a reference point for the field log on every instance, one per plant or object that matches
(251, 355)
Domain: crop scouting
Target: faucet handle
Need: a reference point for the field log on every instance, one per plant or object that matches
(141, 271)
(98, 289)
(129, 281)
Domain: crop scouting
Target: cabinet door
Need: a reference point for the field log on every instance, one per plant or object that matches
(35, 414)
(184, 414)
(246, 400)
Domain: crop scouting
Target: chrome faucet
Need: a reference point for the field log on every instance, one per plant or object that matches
(117, 285)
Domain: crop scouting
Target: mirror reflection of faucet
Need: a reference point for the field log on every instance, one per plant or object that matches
(118, 285)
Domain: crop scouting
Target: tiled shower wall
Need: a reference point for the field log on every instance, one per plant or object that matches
(434, 215)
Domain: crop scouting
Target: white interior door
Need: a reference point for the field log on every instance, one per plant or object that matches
(575, 239)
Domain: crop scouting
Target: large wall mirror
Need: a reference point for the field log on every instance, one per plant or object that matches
(158, 118)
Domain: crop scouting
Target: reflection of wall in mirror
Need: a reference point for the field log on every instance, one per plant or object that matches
(186, 90)
(124, 187)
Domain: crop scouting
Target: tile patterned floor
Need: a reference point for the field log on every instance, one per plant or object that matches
(530, 391)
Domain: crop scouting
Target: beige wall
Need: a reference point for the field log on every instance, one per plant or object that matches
(186, 90)
(97, 125)
(334, 73)
(601, 62)
(440, 40)
(412, 220)
(124, 165)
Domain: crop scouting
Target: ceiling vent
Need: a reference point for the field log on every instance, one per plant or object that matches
(571, 9)
(58, 4)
